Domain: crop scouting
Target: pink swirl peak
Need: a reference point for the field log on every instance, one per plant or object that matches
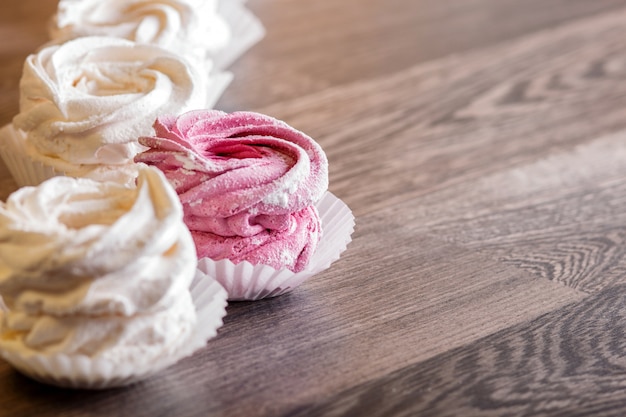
(247, 182)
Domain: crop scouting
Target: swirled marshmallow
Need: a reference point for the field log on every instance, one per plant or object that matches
(83, 104)
(96, 269)
(189, 27)
(247, 182)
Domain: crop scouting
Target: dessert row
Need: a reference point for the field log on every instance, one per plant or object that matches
(142, 210)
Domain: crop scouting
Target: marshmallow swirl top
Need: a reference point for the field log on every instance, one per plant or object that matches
(190, 27)
(88, 100)
(242, 175)
(91, 267)
(238, 162)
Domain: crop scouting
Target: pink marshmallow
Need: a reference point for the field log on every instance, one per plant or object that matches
(247, 183)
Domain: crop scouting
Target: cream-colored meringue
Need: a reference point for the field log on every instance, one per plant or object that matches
(96, 269)
(85, 103)
(190, 27)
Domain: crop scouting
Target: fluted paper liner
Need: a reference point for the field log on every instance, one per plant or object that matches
(24, 170)
(219, 82)
(244, 281)
(79, 371)
(246, 30)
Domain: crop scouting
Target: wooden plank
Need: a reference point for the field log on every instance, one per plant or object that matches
(566, 363)
(598, 164)
(560, 217)
(318, 45)
(370, 314)
(23, 29)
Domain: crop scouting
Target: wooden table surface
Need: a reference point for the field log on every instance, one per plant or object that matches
(481, 145)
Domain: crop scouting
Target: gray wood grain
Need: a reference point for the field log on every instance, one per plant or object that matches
(566, 363)
(559, 217)
(316, 45)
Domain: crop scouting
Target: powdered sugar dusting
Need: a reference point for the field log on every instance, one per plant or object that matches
(248, 183)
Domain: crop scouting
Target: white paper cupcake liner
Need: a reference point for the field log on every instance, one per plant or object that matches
(28, 171)
(244, 281)
(246, 30)
(79, 371)
(220, 81)
(24, 170)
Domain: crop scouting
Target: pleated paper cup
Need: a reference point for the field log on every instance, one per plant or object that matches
(246, 30)
(220, 81)
(28, 171)
(244, 281)
(24, 169)
(79, 371)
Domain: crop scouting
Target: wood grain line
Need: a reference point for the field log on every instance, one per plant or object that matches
(559, 217)
(378, 38)
(588, 260)
(566, 363)
(600, 162)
